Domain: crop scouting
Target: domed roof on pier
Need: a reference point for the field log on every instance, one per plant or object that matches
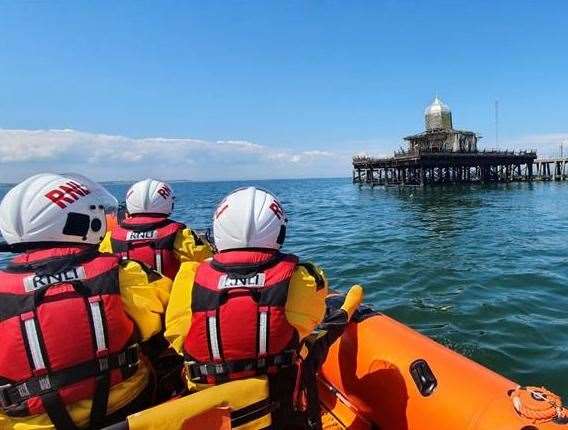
(438, 115)
(437, 107)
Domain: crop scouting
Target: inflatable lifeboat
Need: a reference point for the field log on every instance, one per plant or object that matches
(380, 374)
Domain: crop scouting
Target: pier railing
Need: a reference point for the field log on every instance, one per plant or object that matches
(418, 153)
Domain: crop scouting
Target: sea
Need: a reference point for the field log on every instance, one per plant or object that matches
(481, 269)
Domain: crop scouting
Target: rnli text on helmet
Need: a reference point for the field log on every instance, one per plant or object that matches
(165, 191)
(68, 193)
(277, 209)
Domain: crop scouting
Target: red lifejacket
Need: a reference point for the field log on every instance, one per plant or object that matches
(150, 240)
(64, 334)
(239, 326)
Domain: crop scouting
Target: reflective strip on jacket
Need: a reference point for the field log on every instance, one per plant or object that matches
(144, 299)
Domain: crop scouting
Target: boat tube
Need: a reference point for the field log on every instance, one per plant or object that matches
(381, 374)
(398, 379)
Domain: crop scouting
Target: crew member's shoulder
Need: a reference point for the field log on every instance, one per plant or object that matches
(189, 233)
(307, 270)
(135, 267)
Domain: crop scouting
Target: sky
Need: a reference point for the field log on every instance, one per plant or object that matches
(268, 89)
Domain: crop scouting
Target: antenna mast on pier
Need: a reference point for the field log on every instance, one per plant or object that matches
(497, 123)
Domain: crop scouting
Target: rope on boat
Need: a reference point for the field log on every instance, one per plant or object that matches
(538, 404)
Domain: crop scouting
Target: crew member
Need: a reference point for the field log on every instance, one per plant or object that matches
(245, 311)
(71, 319)
(148, 234)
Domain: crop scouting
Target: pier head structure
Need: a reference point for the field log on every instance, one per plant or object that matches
(443, 155)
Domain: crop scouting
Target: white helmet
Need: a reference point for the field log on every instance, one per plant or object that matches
(57, 208)
(150, 196)
(249, 218)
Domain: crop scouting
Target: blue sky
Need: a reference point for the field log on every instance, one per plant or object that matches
(267, 88)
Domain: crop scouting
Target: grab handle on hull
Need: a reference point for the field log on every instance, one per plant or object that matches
(423, 377)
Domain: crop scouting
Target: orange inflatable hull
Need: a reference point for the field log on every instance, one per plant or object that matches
(367, 382)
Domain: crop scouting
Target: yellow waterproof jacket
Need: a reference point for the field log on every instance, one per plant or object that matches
(145, 302)
(305, 305)
(185, 247)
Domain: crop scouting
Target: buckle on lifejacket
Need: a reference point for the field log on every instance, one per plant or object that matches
(5, 401)
(197, 371)
(45, 383)
(189, 366)
(132, 355)
(103, 364)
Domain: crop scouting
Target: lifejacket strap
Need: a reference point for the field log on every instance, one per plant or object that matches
(198, 372)
(100, 400)
(11, 396)
(102, 380)
(57, 412)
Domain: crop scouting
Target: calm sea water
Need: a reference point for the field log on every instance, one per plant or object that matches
(483, 270)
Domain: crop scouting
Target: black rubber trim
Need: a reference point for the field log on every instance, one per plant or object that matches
(250, 413)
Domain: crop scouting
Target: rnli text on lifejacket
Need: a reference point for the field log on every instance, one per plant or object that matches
(35, 282)
(138, 235)
(256, 281)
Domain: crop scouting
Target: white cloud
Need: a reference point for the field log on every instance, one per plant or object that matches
(25, 152)
(29, 145)
(109, 157)
(547, 144)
